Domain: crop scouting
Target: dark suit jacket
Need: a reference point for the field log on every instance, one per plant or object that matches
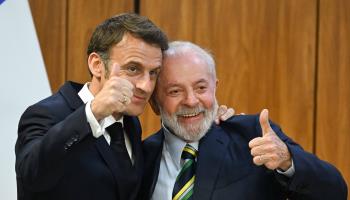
(57, 157)
(225, 169)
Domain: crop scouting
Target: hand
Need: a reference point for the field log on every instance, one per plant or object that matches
(224, 113)
(114, 96)
(269, 150)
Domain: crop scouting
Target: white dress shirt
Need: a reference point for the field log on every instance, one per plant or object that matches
(170, 165)
(99, 128)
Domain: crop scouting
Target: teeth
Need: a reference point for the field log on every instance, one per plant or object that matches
(190, 115)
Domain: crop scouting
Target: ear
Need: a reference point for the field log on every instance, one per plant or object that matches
(96, 66)
(154, 105)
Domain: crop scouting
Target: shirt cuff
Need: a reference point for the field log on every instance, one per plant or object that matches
(96, 128)
(289, 172)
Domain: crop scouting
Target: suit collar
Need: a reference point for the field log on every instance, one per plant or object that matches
(70, 93)
(212, 148)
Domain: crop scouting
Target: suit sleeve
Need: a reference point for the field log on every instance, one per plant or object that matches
(313, 178)
(45, 139)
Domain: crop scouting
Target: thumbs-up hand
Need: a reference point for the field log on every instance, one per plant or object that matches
(269, 150)
(114, 97)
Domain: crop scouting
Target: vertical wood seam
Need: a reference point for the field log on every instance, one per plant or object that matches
(137, 6)
(317, 41)
(66, 42)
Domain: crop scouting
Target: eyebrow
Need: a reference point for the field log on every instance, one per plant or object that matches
(176, 84)
(138, 64)
(131, 62)
(202, 80)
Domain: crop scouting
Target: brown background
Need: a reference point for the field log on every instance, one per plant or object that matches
(291, 56)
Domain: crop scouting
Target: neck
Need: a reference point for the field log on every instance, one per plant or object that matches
(95, 86)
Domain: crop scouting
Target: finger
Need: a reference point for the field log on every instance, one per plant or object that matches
(217, 121)
(264, 122)
(221, 110)
(256, 142)
(261, 150)
(259, 160)
(126, 83)
(126, 91)
(229, 113)
(115, 70)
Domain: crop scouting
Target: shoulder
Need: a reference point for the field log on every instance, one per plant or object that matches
(247, 126)
(55, 104)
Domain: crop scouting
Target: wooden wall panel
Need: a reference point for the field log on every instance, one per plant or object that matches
(333, 94)
(50, 23)
(265, 53)
(83, 17)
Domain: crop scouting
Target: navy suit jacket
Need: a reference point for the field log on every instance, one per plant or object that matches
(225, 169)
(57, 157)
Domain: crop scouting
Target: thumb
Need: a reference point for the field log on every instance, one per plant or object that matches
(264, 122)
(115, 70)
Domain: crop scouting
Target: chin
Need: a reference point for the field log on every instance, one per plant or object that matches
(134, 110)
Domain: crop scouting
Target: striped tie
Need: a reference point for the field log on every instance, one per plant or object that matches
(183, 188)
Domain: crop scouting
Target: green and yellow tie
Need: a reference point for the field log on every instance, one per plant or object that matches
(183, 188)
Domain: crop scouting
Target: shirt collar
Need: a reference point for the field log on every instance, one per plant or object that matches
(175, 145)
(86, 96)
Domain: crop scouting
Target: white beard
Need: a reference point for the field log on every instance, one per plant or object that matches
(192, 132)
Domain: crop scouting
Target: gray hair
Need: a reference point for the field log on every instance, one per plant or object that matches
(181, 47)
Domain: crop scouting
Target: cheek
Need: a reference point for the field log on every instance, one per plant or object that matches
(170, 105)
(153, 84)
(208, 100)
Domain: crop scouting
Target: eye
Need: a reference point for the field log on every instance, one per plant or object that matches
(202, 89)
(174, 92)
(154, 73)
(132, 70)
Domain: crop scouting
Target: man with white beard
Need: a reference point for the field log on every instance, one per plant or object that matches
(244, 157)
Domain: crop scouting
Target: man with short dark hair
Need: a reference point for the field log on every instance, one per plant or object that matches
(244, 158)
(84, 142)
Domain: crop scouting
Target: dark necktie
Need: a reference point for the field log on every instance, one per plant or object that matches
(118, 144)
(183, 188)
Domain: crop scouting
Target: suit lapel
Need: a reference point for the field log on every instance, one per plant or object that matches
(70, 93)
(131, 126)
(107, 155)
(212, 149)
(153, 148)
(133, 130)
(112, 163)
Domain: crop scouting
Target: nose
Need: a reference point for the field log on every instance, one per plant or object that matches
(191, 99)
(145, 84)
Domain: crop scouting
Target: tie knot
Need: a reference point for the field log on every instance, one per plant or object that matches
(116, 131)
(189, 152)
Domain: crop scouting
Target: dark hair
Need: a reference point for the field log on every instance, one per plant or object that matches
(112, 30)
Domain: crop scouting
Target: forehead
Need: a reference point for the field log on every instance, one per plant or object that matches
(132, 49)
(184, 68)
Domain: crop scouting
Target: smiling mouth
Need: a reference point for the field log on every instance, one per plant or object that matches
(190, 115)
